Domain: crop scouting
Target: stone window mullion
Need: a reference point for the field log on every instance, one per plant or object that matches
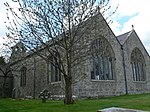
(137, 60)
(103, 67)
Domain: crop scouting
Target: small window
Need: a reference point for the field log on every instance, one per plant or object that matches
(54, 74)
(23, 76)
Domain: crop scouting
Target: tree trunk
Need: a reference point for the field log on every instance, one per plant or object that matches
(68, 92)
(4, 88)
(68, 81)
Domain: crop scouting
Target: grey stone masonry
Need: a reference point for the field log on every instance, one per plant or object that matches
(111, 74)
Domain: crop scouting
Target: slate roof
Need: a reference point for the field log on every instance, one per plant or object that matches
(123, 37)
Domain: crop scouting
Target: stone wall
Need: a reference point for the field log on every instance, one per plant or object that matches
(98, 88)
(135, 87)
(37, 76)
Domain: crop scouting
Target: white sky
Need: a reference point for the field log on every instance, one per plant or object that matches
(130, 12)
(2, 19)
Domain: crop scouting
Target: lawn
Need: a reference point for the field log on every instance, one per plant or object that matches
(141, 102)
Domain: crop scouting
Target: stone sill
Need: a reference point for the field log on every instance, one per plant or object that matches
(103, 80)
(142, 82)
(53, 83)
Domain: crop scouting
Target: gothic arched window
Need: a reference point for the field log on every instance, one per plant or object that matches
(23, 76)
(102, 59)
(138, 64)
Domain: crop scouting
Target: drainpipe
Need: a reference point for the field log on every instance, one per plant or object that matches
(34, 72)
(124, 70)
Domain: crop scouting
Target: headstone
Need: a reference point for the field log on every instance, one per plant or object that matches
(114, 109)
(44, 95)
(13, 93)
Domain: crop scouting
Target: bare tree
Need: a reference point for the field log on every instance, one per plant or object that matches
(57, 27)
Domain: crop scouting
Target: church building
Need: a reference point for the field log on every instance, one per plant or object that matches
(122, 66)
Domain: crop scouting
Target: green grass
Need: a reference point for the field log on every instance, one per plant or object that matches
(141, 102)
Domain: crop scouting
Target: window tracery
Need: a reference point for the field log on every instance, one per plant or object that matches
(102, 60)
(138, 64)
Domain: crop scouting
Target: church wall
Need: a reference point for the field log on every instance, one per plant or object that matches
(98, 88)
(40, 75)
(86, 87)
(135, 87)
(42, 79)
(38, 67)
(27, 90)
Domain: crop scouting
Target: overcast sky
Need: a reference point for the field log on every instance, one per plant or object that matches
(133, 12)
(2, 19)
(130, 12)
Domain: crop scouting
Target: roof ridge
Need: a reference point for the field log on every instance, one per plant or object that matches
(123, 33)
(130, 32)
(123, 37)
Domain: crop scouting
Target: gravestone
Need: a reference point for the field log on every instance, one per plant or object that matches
(44, 95)
(114, 109)
(14, 93)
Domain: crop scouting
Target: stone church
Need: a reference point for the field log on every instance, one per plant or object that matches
(122, 66)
